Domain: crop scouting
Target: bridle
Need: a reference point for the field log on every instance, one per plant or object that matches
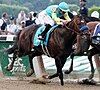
(68, 25)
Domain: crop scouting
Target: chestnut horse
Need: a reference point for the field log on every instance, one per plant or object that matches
(59, 45)
(86, 42)
(90, 19)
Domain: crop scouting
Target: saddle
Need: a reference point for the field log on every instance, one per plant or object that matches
(36, 41)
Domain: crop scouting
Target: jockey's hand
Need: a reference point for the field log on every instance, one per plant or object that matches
(64, 22)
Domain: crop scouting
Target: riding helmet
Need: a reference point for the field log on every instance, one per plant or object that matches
(64, 6)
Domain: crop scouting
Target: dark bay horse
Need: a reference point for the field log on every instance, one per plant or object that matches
(86, 42)
(90, 19)
(59, 45)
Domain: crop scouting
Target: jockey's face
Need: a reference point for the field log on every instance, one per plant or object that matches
(62, 12)
(82, 3)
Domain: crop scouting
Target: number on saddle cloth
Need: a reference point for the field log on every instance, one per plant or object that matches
(36, 41)
(96, 35)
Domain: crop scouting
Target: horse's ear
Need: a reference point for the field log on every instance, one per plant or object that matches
(70, 15)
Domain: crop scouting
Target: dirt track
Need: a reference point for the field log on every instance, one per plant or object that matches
(8, 84)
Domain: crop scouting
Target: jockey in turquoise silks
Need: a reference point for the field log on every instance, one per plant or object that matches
(54, 14)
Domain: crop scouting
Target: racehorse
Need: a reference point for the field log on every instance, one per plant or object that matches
(90, 19)
(59, 45)
(86, 41)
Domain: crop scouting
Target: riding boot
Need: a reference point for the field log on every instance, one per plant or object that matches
(78, 48)
(42, 35)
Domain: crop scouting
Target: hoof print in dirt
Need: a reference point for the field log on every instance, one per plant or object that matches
(88, 82)
(38, 81)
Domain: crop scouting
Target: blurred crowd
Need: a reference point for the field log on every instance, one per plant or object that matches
(9, 25)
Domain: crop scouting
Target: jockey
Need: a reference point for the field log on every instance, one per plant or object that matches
(54, 14)
(83, 9)
(83, 27)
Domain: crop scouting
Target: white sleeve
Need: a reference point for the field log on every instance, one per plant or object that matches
(1, 22)
(7, 27)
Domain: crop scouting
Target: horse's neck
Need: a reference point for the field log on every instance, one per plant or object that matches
(73, 27)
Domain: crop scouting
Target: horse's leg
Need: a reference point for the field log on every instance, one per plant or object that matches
(56, 74)
(59, 70)
(91, 53)
(31, 65)
(10, 67)
(71, 66)
(31, 56)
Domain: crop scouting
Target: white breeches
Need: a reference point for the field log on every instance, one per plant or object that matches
(43, 18)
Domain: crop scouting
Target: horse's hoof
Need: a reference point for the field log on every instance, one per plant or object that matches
(30, 73)
(8, 68)
(67, 72)
(62, 83)
(45, 76)
(49, 77)
(91, 76)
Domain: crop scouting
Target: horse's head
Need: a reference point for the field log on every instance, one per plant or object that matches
(74, 24)
(85, 42)
(85, 36)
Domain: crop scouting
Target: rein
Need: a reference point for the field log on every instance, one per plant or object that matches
(72, 29)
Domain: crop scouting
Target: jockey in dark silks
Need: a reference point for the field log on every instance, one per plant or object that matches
(53, 15)
(84, 13)
(83, 9)
(83, 27)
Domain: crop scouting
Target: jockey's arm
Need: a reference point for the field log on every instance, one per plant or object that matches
(56, 19)
(60, 21)
(67, 18)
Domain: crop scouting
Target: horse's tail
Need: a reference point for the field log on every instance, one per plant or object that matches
(10, 50)
(15, 45)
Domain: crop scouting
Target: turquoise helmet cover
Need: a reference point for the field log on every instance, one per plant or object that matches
(64, 7)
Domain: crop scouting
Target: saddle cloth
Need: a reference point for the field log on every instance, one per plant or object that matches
(36, 41)
(96, 35)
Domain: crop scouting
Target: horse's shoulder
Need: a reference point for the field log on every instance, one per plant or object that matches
(94, 22)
